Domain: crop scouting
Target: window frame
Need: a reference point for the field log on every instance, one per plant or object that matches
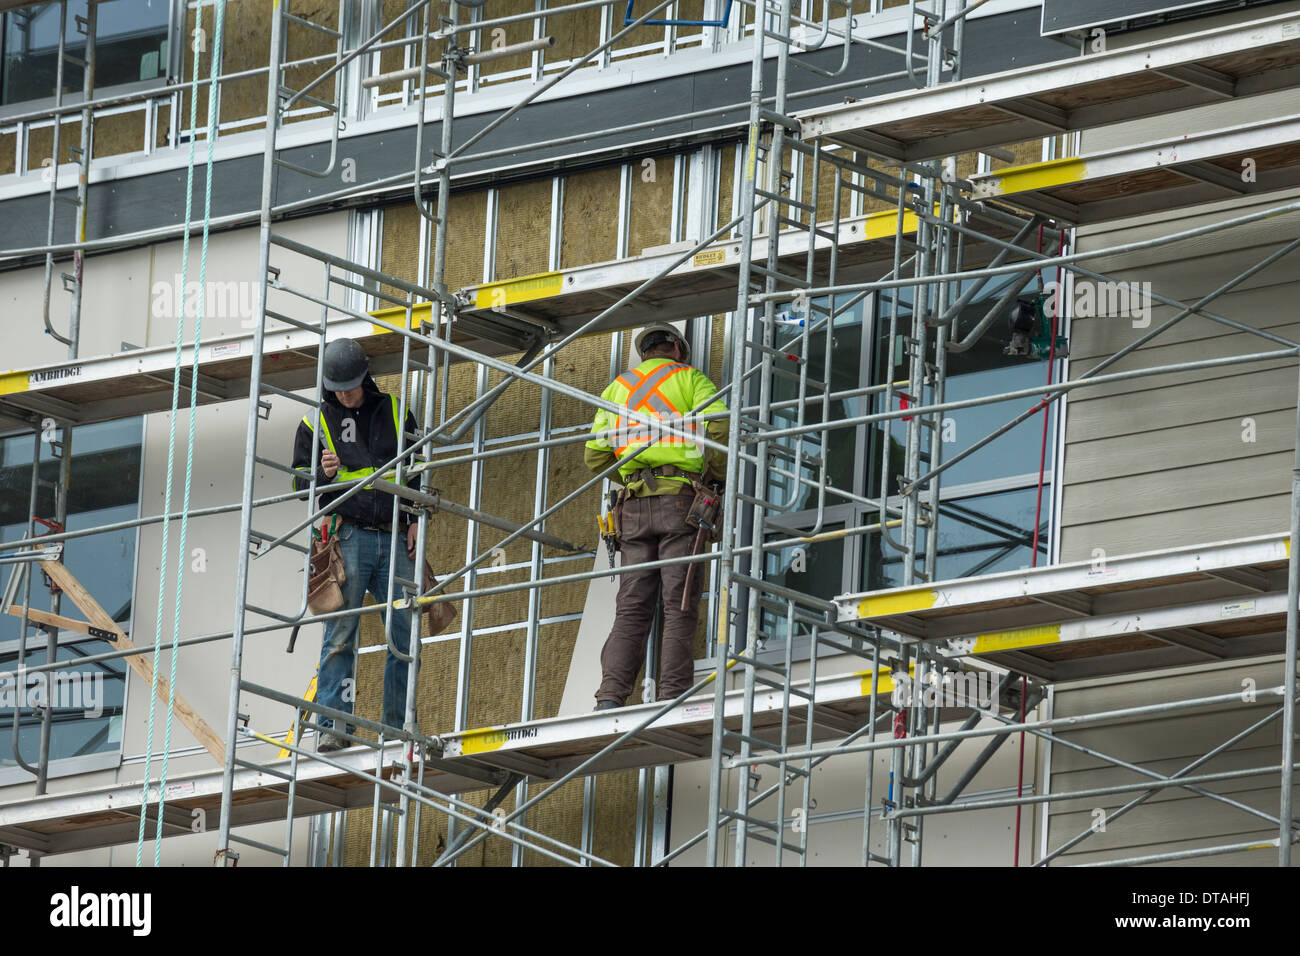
(73, 97)
(108, 759)
(61, 766)
(852, 514)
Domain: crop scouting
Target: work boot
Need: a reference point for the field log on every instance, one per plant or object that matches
(607, 704)
(330, 742)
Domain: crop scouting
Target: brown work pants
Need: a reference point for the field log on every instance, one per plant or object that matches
(654, 528)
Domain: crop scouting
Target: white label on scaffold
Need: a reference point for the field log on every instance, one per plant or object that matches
(230, 348)
(179, 789)
(1236, 607)
(697, 711)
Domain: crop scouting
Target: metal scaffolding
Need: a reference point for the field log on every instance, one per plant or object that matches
(792, 268)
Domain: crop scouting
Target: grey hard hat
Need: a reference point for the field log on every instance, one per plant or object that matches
(346, 365)
(663, 328)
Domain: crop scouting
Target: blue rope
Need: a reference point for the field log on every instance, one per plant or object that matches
(215, 61)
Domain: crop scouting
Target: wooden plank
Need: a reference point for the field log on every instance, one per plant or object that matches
(54, 620)
(97, 616)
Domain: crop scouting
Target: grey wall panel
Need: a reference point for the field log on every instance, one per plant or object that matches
(1218, 522)
(1177, 405)
(1171, 819)
(1181, 447)
(1262, 855)
(1062, 15)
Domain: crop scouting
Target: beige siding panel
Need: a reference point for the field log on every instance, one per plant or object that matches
(1259, 234)
(1167, 744)
(1178, 405)
(1219, 522)
(1171, 819)
(1270, 308)
(1101, 774)
(1147, 827)
(1133, 388)
(1265, 301)
(1261, 856)
(1224, 439)
(1177, 490)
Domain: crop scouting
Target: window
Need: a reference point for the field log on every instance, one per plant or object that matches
(988, 502)
(131, 44)
(87, 701)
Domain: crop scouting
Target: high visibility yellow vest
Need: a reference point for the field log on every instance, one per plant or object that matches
(660, 390)
(351, 474)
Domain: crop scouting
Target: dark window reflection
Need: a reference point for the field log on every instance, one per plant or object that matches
(87, 716)
(104, 489)
(979, 535)
(130, 45)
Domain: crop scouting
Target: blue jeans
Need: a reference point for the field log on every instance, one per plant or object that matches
(365, 562)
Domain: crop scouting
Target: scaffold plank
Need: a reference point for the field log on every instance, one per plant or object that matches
(496, 320)
(1132, 83)
(1110, 615)
(546, 749)
(1154, 177)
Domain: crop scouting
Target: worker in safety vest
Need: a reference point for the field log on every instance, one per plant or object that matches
(659, 486)
(358, 434)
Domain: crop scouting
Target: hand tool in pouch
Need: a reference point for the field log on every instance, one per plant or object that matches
(703, 516)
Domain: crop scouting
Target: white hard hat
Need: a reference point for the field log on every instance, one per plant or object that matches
(663, 328)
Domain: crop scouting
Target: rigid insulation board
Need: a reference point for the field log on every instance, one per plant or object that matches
(1114, 615)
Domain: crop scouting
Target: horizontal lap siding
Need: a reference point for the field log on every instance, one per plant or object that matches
(1191, 456)
(1171, 819)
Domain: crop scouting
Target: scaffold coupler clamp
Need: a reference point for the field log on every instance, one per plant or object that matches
(54, 527)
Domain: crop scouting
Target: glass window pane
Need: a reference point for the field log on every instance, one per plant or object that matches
(131, 45)
(985, 369)
(86, 700)
(104, 489)
(845, 372)
(816, 569)
(979, 535)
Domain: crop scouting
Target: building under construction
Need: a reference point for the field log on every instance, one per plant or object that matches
(995, 293)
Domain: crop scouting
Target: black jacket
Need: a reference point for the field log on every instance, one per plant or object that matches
(375, 444)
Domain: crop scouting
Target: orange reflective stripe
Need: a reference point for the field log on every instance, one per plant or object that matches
(644, 394)
(652, 382)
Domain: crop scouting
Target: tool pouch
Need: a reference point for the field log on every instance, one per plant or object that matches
(439, 614)
(616, 516)
(705, 512)
(325, 586)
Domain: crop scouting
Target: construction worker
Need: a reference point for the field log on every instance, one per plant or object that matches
(659, 486)
(358, 434)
